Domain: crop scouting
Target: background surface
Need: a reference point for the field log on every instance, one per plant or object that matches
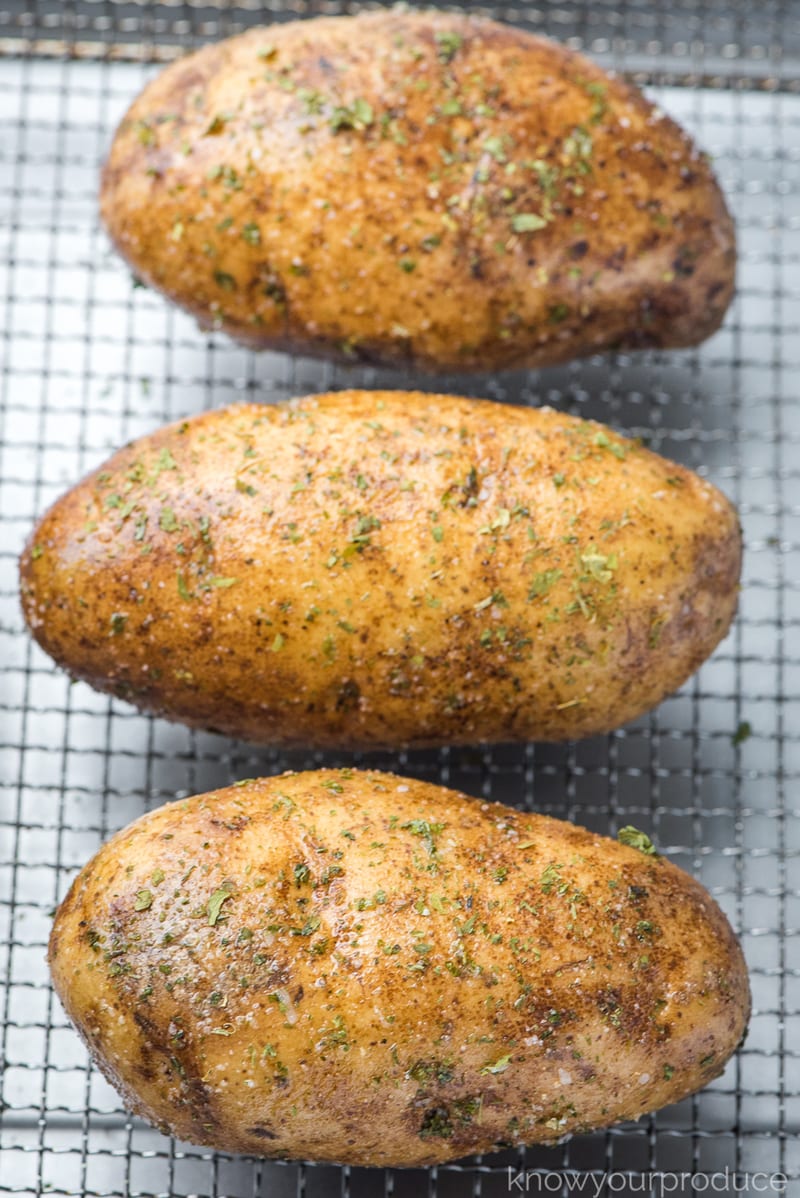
(87, 361)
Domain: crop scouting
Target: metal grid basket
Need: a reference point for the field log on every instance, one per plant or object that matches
(88, 361)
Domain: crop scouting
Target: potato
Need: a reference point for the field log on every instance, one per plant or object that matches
(420, 188)
(382, 568)
(368, 969)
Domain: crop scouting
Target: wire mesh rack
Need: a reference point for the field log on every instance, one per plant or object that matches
(87, 361)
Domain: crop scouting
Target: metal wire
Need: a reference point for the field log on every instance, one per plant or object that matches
(88, 361)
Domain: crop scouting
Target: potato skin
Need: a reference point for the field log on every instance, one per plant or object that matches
(418, 188)
(261, 968)
(368, 569)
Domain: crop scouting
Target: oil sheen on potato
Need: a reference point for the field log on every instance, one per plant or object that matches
(362, 968)
(420, 189)
(369, 569)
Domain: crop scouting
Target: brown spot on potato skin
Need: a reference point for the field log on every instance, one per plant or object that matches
(338, 209)
(534, 1006)
(396, 568)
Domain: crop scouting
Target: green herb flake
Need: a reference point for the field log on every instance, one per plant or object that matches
(183, 590)
(426, 830)
(364, 527)
(118, 622)
(742, 733)
(143, 900)
(551, 874)
(654, 632)
(495, 146)
(358, 115)
(164, 461)
(600, 566)
(251, 233)
(542, 583)
(216, 581)
(308, 928)
(557, 312)
(527, 222)
(140, 527)
(313, 101)
(448, 43)
(497, 598)
(224, 280)
(500, 1065)
(603, 441)
(578, 144)
(215, 902)
(637, 840)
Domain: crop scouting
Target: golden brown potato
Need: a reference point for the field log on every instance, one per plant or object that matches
(418, 188)
(384, 568)
(368, 969)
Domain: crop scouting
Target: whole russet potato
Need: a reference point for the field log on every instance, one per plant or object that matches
(381, 568)
(418, 188)
(362, 968)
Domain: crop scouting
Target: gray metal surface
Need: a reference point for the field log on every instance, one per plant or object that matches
(88, 361)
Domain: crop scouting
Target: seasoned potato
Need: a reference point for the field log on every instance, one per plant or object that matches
(360, 968)
(383, 568)
(418, 188)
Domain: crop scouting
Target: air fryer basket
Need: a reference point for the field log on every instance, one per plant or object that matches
(87, 361)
